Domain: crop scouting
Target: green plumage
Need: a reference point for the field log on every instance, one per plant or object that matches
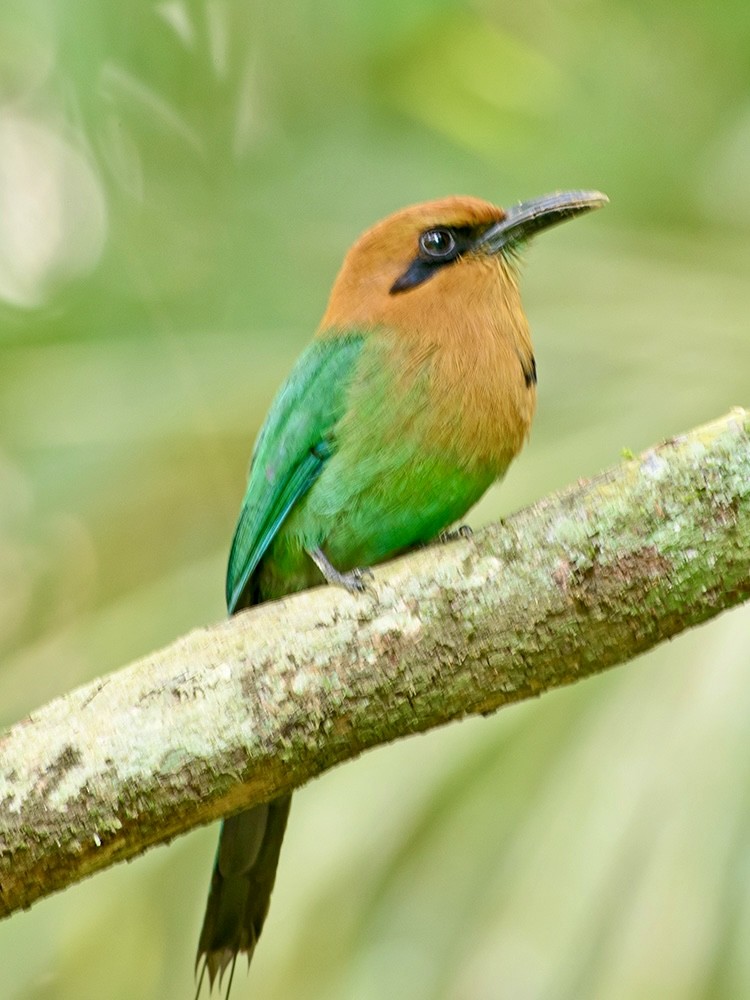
(343, 464)
(295, 443)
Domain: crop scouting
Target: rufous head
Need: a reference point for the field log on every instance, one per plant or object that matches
(445, 254)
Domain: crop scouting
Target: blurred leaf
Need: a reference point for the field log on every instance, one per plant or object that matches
(482, 87)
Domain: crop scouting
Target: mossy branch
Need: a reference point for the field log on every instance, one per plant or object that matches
(233, 714)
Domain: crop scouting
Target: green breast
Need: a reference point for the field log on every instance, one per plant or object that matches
(385, 488)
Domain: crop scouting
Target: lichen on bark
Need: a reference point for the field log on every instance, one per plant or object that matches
(230, 715)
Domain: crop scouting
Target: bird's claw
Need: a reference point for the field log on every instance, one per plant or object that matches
(354, 580)
(454, 534)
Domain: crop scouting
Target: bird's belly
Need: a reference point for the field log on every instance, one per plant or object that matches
(400, 507)
(361, 515)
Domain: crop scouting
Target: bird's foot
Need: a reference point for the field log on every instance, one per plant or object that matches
(355, 580)
(454, 534)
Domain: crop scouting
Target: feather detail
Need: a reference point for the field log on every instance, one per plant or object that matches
(293, 446)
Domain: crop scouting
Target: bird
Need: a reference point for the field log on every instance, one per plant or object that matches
(414, 396)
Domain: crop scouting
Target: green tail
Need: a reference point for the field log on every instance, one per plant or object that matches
(241, 886)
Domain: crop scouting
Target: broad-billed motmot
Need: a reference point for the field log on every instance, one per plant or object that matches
(415, 395)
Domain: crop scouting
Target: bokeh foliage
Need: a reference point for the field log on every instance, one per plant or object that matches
(178, 182)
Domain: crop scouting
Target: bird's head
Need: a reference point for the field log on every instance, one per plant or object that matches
(433, 259)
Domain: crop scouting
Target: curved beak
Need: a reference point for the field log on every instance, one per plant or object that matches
(522, 221)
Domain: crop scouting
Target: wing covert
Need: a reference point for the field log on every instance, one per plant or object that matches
(292, 448)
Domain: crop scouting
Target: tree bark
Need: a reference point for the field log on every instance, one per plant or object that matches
(252, 707)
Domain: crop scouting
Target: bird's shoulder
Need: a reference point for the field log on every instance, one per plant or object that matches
(293, 445)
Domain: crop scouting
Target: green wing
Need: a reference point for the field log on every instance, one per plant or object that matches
(292, 448)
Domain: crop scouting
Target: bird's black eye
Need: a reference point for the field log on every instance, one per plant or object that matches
(438, 244)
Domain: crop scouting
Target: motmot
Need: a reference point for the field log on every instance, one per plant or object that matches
(415, 395)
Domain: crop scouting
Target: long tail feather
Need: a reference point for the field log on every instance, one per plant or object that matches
(241, 885)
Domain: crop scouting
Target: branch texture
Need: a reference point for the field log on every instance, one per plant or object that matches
(234, 714)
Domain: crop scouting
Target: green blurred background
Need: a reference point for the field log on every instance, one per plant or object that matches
(178, 182)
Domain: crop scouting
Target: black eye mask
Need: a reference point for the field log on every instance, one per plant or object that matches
(438, 247)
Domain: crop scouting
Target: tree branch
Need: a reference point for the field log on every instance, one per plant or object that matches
(233, 714)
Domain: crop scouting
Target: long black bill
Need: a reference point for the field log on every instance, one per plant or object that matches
(522, 221)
